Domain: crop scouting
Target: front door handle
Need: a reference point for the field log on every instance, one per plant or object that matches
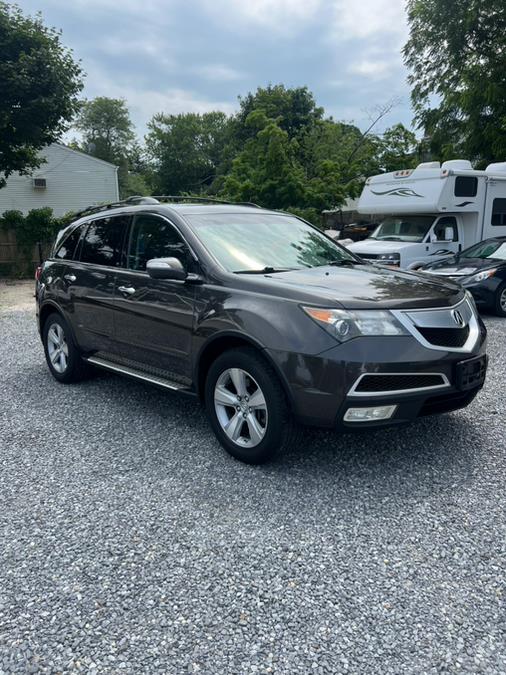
(70, 277)
(128, 290)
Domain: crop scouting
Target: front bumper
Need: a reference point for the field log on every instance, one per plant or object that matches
(321, 387)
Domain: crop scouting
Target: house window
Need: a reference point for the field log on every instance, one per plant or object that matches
(466, 186)
(39, 183)
(499, 212)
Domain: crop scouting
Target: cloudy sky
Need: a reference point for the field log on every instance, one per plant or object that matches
(197, 55)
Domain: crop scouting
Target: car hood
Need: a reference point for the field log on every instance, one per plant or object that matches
(461, 268)
(376, 246)
(361, 286)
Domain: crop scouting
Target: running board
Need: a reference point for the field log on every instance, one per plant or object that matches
(139, 375)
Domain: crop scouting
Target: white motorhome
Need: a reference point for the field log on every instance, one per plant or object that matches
(432, 211)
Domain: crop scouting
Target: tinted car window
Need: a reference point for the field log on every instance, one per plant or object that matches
(466, 186)
(153, 237)
(66, 250)
(103, 241)
(499, 212)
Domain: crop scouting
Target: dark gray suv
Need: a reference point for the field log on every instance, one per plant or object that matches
(260, 315)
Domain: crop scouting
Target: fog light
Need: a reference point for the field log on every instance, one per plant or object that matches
(382, 412)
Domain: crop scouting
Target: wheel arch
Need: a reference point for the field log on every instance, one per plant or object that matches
(221, 343)
(49, 307)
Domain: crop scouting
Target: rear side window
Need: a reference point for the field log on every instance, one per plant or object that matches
(466, 186)
(103, 241)
(499, 212)
(67, 249)
(154, 237)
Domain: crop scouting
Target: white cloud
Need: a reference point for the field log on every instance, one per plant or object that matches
(365, 18)
(373, 69)
(218, 72)
(280, 16)
(144, 103)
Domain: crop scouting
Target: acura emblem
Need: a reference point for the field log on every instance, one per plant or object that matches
(458, 318)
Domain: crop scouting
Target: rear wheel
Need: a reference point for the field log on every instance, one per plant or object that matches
(500, 300)
(246, 406)
(62, 355)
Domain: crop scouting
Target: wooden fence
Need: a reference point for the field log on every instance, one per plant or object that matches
(14, 262)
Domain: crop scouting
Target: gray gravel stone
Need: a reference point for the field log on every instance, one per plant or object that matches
(130, 542)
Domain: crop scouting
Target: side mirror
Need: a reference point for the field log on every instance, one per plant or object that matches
(166, 268)
(448, 233)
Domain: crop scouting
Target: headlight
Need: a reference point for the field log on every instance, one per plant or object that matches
(348, 324)
(481, 276)
(390, 258)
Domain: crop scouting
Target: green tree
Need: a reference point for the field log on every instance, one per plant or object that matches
(295, 109)
(108, 133)
(186, 150)
(39, 87)
(268, 172)
(457, 55)
(397, 148)
(106, 127)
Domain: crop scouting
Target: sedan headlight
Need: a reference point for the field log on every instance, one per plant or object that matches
(481, 276)
(348, 324)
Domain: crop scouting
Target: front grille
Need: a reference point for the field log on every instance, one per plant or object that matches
(381, 383)
(369, 256)
(445, 337)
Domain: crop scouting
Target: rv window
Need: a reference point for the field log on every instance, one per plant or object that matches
(466, 186)
(442, 224)
(499, 212)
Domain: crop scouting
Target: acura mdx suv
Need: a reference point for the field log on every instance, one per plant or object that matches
(258, 314)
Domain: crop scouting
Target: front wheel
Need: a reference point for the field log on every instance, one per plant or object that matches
(246, 406)
(500, 300)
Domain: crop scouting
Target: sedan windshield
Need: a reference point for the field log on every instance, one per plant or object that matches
(266, 243)
(492, 249)
(403, 228)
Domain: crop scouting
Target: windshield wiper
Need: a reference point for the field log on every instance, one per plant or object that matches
(345, 261)
(267, 270)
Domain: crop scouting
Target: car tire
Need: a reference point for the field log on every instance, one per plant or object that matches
(255, 427)
(62, 355)
(500, 300)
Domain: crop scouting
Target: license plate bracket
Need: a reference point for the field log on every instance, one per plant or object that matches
(471, 372)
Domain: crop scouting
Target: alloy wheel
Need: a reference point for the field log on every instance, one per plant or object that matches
(57, 348)
(502, 300)
(240, 407)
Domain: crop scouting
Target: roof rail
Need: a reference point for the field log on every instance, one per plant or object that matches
(204, 200)
(129, 201)
(157, 199)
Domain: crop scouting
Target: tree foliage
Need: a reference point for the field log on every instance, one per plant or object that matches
(186, 150)
(457, 56)
(39, 87)
(108, 133)
(107, 130)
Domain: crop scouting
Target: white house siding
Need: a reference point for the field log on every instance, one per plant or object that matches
(74, 181)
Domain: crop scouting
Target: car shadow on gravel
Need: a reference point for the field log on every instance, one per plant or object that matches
(436, 451)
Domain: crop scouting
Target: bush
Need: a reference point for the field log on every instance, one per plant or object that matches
(12, 220)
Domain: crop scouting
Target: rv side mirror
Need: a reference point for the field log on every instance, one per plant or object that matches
(166, 268)
(448, 233)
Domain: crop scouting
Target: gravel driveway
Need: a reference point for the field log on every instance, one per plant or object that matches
(131, 543)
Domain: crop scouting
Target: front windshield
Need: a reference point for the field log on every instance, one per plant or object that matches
(403, 228)
(263, 241)
(495, 250)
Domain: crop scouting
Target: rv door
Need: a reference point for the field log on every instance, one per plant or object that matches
(444, 238)
(494, 221)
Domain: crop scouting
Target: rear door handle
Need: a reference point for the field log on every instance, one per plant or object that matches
(70, 277)
(128, 290)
